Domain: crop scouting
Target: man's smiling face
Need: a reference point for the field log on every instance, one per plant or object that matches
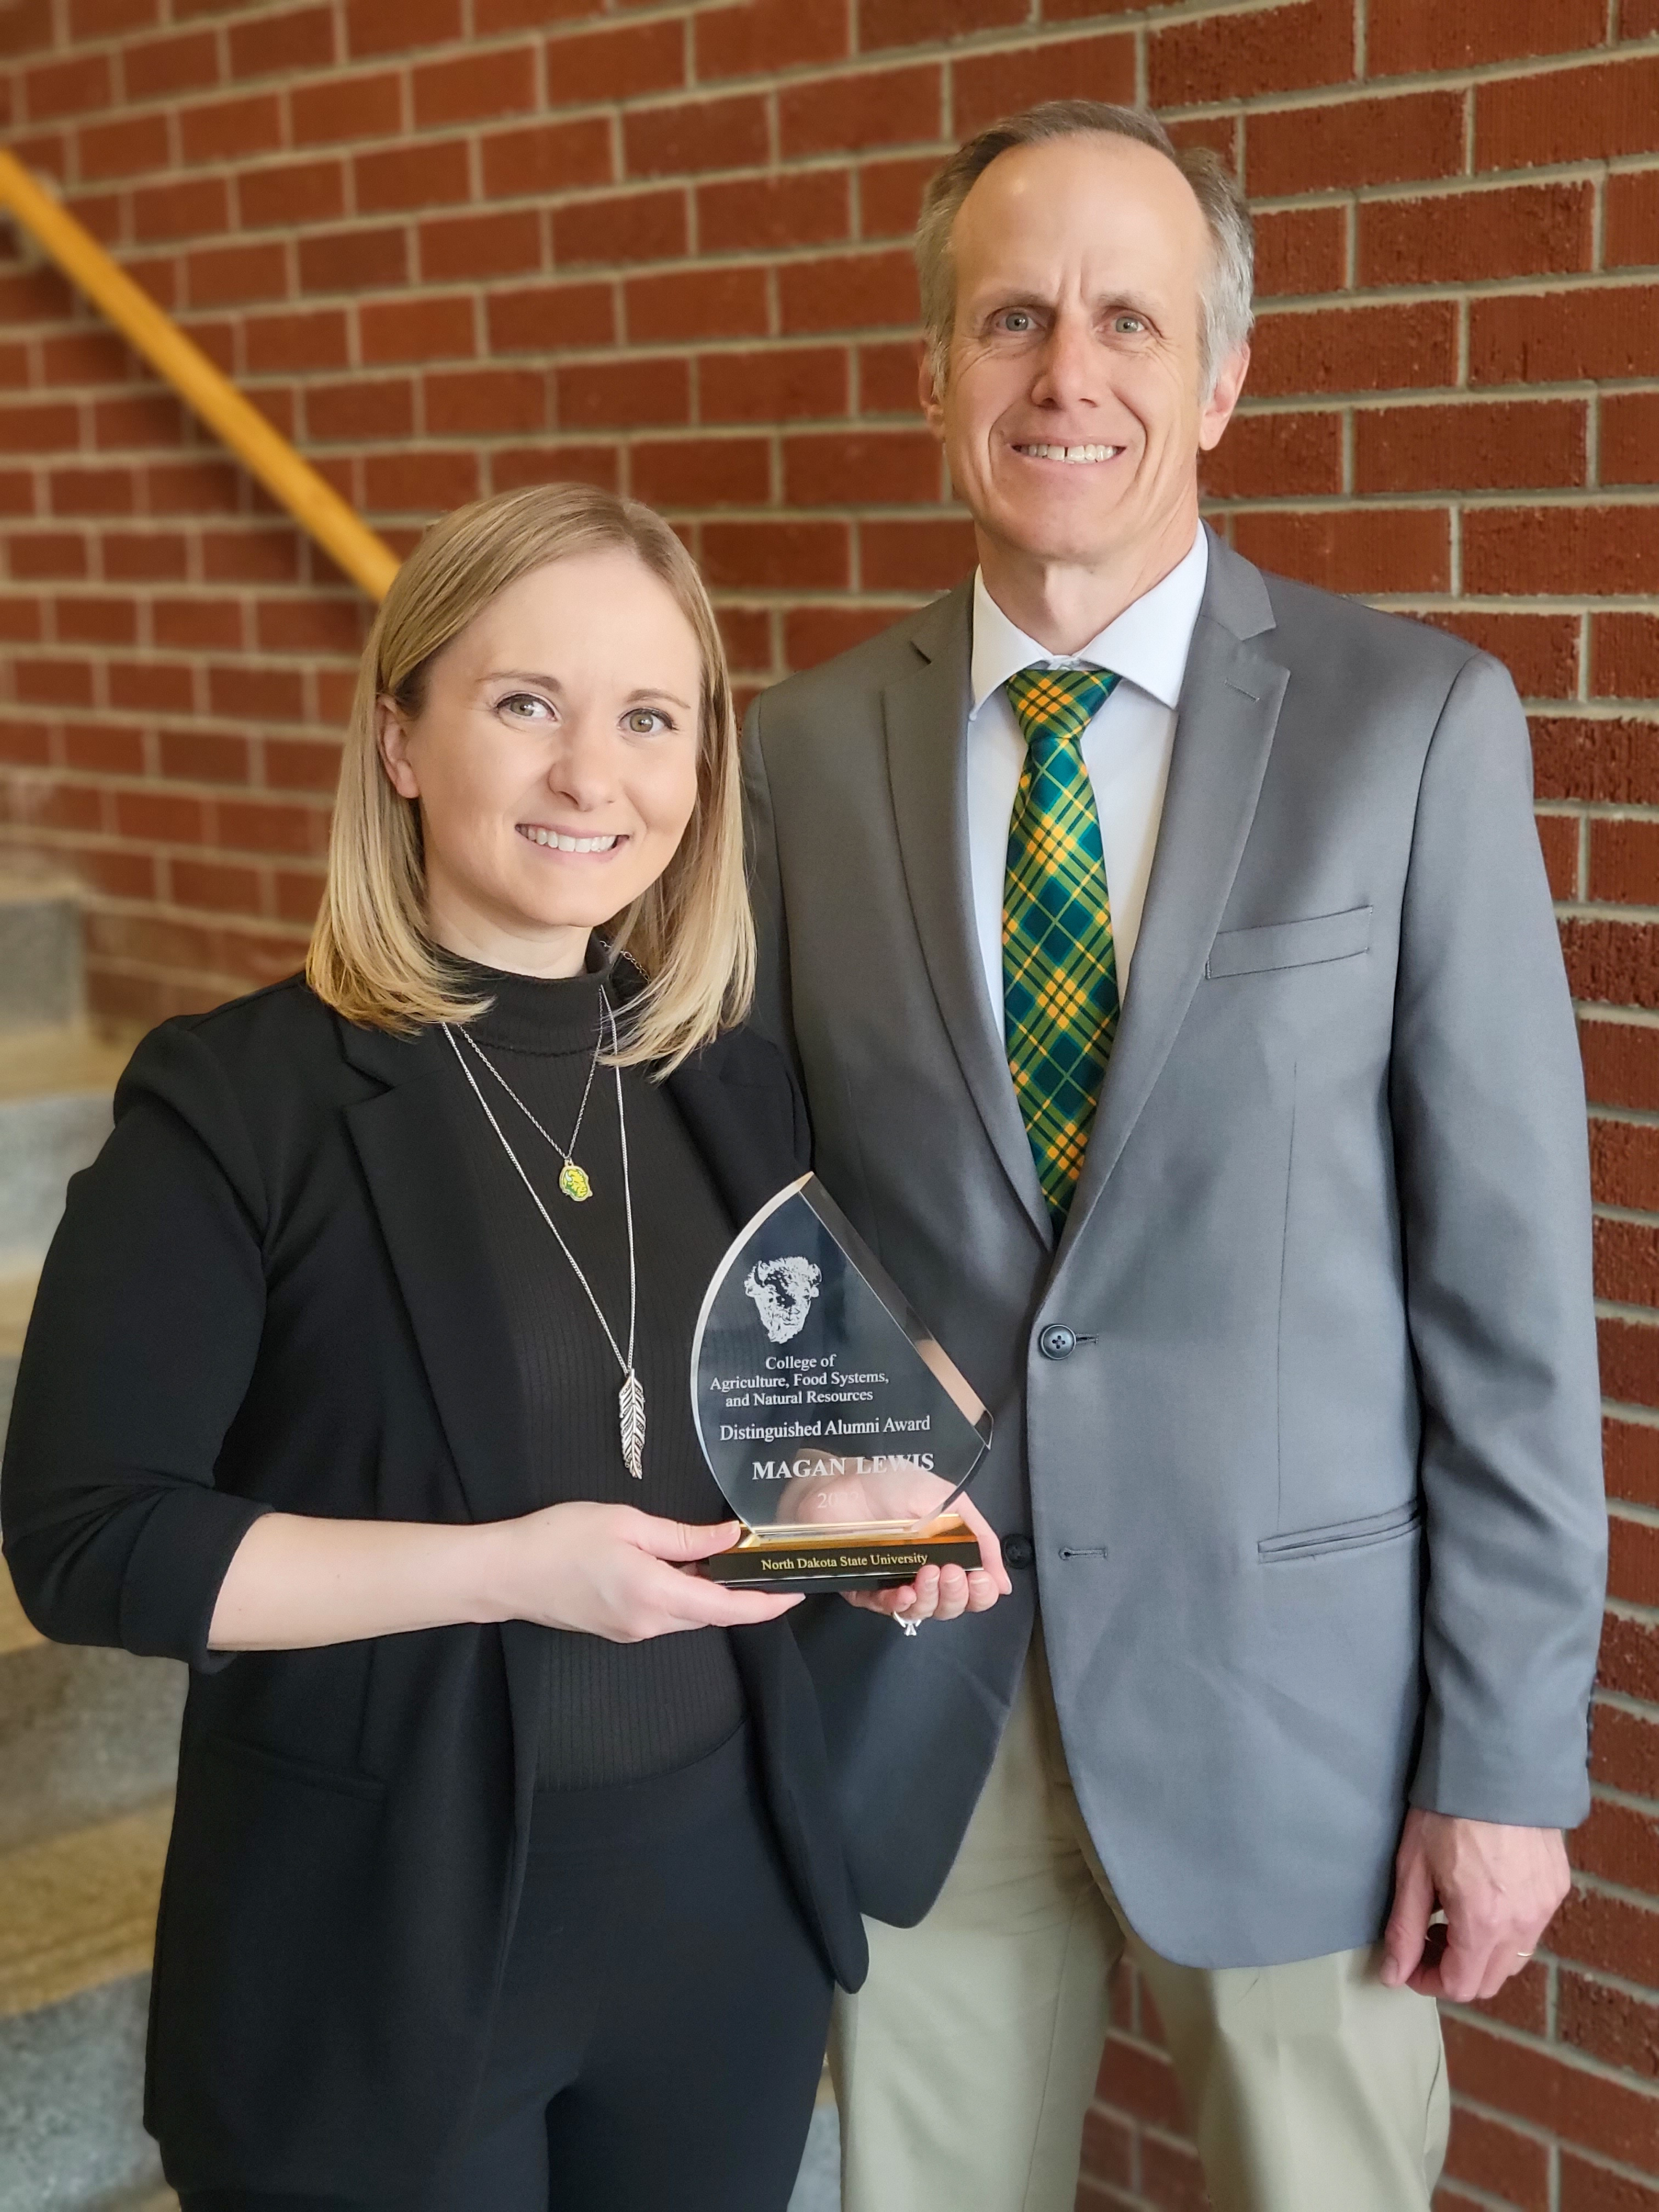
(1075, 405)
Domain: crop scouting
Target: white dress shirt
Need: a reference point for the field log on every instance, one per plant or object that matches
(1126, 749)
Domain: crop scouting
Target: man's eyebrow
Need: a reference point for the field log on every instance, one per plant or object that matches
(1131, 303)
(996, 302)
(1109, 303)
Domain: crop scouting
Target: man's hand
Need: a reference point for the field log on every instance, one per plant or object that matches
(946, 1593)
(1499, 1887)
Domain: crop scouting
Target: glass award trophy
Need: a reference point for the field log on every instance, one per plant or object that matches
(839, 1431)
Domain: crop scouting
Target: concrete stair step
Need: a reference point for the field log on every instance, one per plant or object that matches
(16, 1298)
(71, 2096)
(77, 1923)
(83, 1734)
(39, 948)
(89, 1739)
(80, 1908)
(16, 1632)
(55, 1087)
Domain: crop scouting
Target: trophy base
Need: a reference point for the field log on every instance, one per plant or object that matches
(879, 1555)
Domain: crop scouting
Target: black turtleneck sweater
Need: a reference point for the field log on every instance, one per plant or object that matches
(614, 1712)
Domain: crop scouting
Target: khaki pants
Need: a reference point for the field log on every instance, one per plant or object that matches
(965, 2065)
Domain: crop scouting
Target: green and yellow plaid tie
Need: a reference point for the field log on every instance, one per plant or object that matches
(1059, 968)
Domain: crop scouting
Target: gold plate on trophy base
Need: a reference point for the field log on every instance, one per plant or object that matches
(878, 1555)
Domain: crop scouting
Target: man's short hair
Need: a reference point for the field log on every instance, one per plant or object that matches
(1225, 316)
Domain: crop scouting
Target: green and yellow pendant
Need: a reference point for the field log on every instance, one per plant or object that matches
(572, 1182)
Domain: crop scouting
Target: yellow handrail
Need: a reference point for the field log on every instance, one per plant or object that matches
(314, 504)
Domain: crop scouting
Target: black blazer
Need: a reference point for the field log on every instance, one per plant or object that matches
(268, 1290)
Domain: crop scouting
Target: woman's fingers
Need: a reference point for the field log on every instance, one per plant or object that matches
(680, 1539)
(667, 1601)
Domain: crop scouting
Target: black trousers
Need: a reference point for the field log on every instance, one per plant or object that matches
(662, 2020)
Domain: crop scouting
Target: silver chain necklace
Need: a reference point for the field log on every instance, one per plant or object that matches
(630, 1400)
(574, 1181)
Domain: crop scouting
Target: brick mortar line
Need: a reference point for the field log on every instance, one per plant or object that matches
(1543, 604)
(230, 171)
(1536, 2131)
(1469, 2192)
(109, 908)
(1548, 283)
(1628, 1801)
(1634, 1216)
(931, 510)
(1567, 2055)
(1346, 92)
(1484, 501)
(1142, 2124)
(1597, 810)
(1638, 1316)
(1640, 1708)
(970, 45)
(1274, 405)
(1270, 308)
(1642, 914)
(238, 316)
(1584, 168)
(1596, 1884)
(153, 783)
(1624, 1608)
(849, 163)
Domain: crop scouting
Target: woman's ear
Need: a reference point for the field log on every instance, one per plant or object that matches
(392, 736)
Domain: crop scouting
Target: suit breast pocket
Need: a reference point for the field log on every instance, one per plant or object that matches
(1315, 940)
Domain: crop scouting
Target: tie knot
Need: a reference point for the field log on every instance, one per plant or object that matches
(1058, 702)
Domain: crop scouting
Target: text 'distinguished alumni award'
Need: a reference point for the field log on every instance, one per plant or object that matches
(838, 1429)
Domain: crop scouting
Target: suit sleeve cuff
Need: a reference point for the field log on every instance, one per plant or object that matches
(175, 1571)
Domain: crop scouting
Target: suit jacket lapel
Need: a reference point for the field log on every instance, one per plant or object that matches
(742, 1123)
(1225, 726)
(926, 713)
(737, 1104)
(428, 1215)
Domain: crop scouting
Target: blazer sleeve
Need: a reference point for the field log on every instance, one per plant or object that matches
(1488, 1110)
(770, 1013)
(140, 1347)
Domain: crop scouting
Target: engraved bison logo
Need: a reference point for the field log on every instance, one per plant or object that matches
(783, 1292)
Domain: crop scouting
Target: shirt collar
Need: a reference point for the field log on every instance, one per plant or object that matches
(1147, 645)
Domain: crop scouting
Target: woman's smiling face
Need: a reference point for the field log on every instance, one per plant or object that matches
(554, 759)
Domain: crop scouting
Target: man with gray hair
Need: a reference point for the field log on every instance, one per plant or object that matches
(1167, 952)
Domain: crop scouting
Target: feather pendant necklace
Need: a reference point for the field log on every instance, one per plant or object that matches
(631, 1399)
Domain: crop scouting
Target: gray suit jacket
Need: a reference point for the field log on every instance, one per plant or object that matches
(1314, 1508)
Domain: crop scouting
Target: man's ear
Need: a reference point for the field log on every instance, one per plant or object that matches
(927, 391)
(391, 739)
(1218, 410)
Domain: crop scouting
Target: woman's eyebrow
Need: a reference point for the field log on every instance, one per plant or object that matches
(522, 676)
(655, 691)
(552, 683)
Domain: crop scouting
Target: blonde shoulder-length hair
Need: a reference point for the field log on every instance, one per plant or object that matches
(690, 932)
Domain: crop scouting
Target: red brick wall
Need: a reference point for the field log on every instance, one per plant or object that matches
(454, 245)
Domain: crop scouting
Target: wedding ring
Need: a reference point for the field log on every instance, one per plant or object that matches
(909, 1626)
(1523, 1954)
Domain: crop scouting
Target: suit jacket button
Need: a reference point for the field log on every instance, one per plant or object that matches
(1057, 1343)
(1018, 1551)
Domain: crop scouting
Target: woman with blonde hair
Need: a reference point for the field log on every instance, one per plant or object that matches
(504, 1871)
